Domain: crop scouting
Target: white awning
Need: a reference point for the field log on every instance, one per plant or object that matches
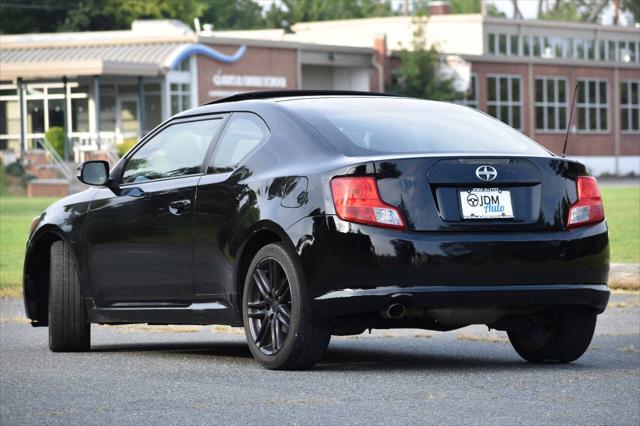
(141, 59)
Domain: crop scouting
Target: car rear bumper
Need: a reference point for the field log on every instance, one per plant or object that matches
(354, 301)
(353, 268)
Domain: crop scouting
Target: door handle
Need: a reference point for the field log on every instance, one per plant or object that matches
(179, 207)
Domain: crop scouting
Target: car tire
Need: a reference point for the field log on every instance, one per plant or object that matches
(69, 329)
(561, 337)
(302, 343)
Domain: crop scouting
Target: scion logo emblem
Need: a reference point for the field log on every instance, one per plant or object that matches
(487, 173)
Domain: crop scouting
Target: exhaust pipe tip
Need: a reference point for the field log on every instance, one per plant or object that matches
(395, 311)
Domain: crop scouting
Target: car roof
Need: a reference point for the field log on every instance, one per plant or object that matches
(279, 94)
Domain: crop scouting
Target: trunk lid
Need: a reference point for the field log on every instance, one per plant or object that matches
(427, 190)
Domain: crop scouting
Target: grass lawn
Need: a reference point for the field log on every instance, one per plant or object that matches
(15, 218)
(622, 207)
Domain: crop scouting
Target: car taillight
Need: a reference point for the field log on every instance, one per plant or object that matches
(357, 200)
(589, 208)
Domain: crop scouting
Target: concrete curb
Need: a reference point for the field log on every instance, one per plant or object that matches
(625, 275)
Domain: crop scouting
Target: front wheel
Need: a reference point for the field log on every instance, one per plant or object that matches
(69, 328)
(280, 330)
(561, 336)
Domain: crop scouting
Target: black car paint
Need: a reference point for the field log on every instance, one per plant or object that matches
(150, 271)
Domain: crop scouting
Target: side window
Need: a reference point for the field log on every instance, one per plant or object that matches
(242, 135)
(178, 150)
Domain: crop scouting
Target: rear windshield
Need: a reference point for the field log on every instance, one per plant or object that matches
(376, 125)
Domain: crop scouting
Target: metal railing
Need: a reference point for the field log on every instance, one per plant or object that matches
(57, 160)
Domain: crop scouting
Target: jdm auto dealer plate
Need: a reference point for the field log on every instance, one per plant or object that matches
(486, 203)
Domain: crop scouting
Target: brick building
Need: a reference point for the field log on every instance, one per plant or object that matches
(523, 72)
(107, 87)
(104, 87)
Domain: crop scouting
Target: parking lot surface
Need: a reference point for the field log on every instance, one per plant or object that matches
(203, 375)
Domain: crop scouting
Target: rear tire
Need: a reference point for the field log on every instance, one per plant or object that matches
(273, 309)
(563, 336)
(69, 329)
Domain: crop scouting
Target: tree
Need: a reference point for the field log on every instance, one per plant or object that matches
(32, 16)
(561, 11)
(285, 13)
(97, 15)
(418, 76)
(632, 6)
(466, 6)
(90, 15)
(239, 14)
(578, 10)
(516, 10)
(474, 6)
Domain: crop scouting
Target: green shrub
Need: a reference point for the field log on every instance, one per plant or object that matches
(14, 169)
(55, 136)
(126, 146)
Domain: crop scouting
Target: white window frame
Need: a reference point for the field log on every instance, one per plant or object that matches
(45, 97)
(629, 46)
(629, 108)
(597, 105)
(509, 103)
(556, 104)
(495, 49)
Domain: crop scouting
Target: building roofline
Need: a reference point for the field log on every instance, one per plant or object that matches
(563, 25)
(525, 60)
(84, 39)
(256, 42)
(473, 17)
(127, 37)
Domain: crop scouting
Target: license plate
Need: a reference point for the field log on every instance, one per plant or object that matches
(486, 203)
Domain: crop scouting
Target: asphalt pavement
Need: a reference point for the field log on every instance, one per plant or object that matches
(205, 375)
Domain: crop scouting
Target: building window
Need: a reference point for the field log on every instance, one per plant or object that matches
(504, 99)
(592, 105)
(35, 116)
(513, 45)
(551, 104)
(559, 47)
(619, 51)
(611, 51)
(471, 97)
(9, 118)
(180, 97)
(80, 115)
(554, 47)
(56, 112)
(152, 106)
(627, 51)
(590, 50)
(503, 44)
(630, 106)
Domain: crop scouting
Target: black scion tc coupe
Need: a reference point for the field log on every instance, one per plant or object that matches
(301, 215)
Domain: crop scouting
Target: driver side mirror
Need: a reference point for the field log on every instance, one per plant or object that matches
(95, 173)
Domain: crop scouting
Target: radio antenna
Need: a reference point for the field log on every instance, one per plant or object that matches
(566, 137)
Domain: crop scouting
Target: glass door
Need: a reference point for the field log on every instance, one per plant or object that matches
(128, 124)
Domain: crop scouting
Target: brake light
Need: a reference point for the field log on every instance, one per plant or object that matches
(589, 208)
(357, 200)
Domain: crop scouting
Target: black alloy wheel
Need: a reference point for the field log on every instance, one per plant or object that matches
(269, 306)
(281, 330)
